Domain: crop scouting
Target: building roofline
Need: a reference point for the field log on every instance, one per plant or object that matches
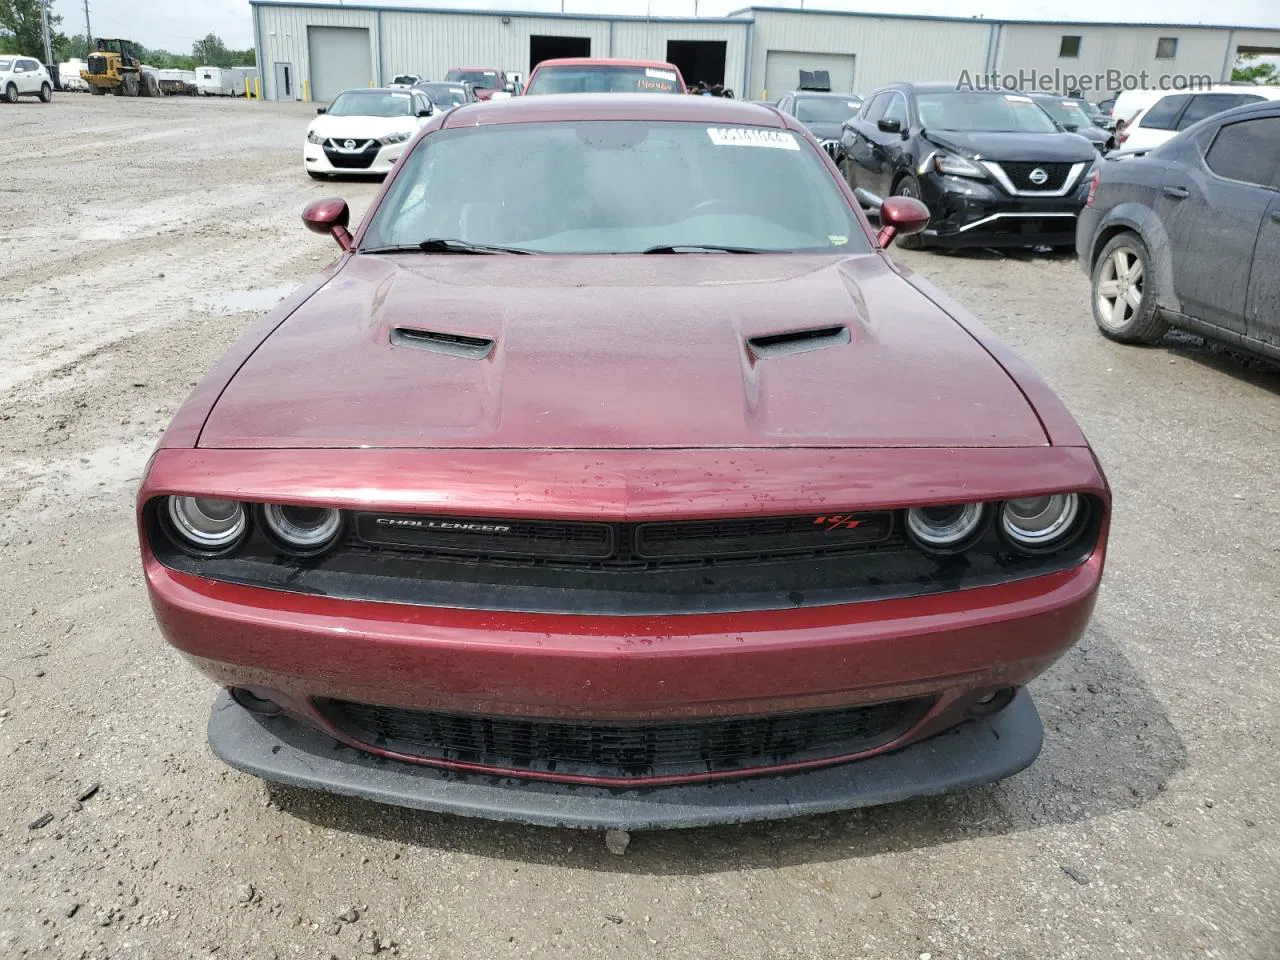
(522, 14)
(870, 15)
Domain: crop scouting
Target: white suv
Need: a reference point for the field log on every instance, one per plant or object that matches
(23, 77)
(1161, 121)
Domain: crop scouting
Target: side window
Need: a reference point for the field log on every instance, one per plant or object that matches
(1164, 115)
(1248, 151)
(897, 110)
(1207, 104)
(874, 108)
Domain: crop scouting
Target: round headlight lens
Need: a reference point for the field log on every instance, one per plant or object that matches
(207, 523)
(1040, 521)
(945, 529)
(303, 529)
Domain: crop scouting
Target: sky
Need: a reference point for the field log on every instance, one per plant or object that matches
(175, 24)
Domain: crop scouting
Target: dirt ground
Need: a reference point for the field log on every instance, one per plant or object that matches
(142, 236)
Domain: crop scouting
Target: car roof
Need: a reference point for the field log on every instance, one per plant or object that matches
(827, 94)
(550, 108)
(604, 61)
(484, 69)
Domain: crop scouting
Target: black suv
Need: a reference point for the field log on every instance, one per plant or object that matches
(992, 167)
(1189, 235)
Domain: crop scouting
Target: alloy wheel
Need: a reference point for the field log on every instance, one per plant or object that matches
(1120, 287)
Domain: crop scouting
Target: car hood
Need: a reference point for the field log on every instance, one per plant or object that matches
(619, 352)
(824, 131)
(1031, 147)
(361, 128)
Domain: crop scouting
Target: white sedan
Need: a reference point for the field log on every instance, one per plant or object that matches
(364, 132)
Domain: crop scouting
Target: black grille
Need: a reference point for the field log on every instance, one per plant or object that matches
(97, 65)
(1020, 175)
(625, 751)
(623, 545)
(344, 160)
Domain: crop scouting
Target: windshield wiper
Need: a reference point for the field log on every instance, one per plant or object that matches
(441, 245)
(698, 248)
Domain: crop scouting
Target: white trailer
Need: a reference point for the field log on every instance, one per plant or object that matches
(69, 75)
(219, 82)
(177, 82)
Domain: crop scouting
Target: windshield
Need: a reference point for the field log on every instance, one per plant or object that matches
(376, 104)
(601, 78)
(484, 79)
(825, 109)
(982, 113)
(1066, 112)
(445, 96)
(617, 187)
(406, 78)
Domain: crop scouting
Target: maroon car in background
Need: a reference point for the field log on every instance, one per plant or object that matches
(634, 486)
(484, 81)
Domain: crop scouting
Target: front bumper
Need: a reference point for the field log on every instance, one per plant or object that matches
(974, 213)
(282, 750)
(315, 159)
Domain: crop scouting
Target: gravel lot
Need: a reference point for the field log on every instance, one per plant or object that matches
(143, 236)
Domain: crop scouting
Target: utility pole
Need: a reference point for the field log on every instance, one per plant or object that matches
(44, 30)
(88, 30)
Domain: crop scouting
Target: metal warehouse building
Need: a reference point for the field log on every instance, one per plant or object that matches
(314, 51)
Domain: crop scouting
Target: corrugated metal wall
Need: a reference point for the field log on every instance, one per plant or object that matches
(647, 40)
(282, 31)
(885, 49)
(1126, 50)
(429, 44)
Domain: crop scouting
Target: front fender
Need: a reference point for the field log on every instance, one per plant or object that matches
(1146, 223)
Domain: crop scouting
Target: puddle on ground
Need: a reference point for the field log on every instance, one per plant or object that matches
(242, 301)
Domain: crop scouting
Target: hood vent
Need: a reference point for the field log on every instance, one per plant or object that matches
(797, 341)
(450, 344)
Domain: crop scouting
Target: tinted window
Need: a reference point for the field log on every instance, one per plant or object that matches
(1164, 114)
(824, 109)
(874, 108)
(602, 187)
(483, 79)
(982, 112)
(602, 78)
(375, 104)
(1247, 151)
(1207, 104)
(5, 64)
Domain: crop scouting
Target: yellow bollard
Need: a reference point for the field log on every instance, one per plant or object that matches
(257, 88)
(306, 91)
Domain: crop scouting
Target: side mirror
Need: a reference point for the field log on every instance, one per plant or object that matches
(426, 112)
(890, 126)
(322, 110)
(510, 88)
(330, 216)
(1073, 128)
(903, 216)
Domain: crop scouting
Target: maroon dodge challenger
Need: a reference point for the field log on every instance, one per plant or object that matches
(628, 485)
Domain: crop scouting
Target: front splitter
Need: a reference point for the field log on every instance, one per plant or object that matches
(285, 751)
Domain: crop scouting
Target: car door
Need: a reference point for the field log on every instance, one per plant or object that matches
(888, 142)
(1212, 209)
(33, 76)
(19, 77)
(869, 146)
(1262, 304)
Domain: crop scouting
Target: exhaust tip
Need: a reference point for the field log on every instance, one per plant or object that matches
(993, 702)
(263, 706)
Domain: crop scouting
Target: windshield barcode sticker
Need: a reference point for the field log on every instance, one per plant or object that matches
(660, 74)
(753, 137)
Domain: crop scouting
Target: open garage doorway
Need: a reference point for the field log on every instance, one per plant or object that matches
(551, 48)
(698, 60)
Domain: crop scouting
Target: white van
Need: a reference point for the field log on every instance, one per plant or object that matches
(1161, 120)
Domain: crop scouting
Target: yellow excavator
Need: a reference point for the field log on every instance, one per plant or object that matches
(114, 66)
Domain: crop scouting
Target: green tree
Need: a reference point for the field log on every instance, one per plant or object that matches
(1248, 70)
(211, 51)
(20, 28)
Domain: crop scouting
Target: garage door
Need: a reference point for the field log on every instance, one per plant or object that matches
(782, 70)
(339, 60)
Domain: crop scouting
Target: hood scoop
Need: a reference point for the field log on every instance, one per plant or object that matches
(796, 341)
(449, 344)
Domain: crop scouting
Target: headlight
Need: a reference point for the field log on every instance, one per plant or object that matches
(302, 530)
(395, 138)
(312, 137)
(954, 166)
(945, 529)
(1038, 522)
(207, 524)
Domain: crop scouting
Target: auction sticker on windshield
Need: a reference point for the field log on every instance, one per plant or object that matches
(660, 74)
(752, 137)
